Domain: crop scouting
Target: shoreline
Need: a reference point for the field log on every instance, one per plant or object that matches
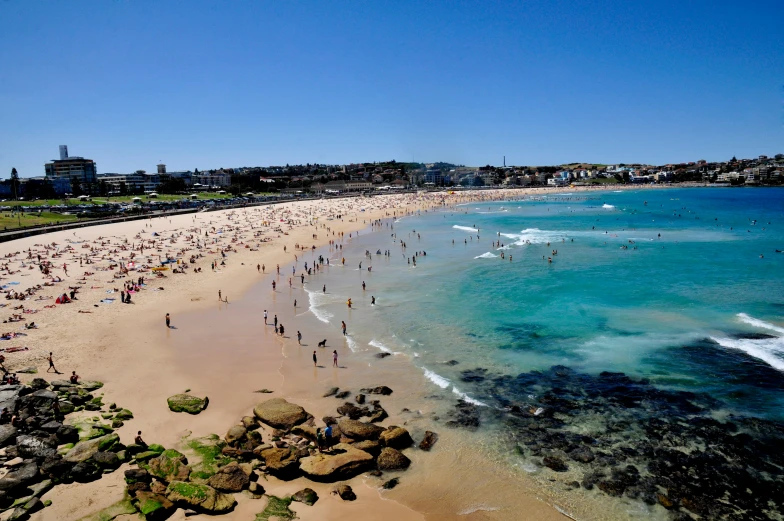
(112, 348)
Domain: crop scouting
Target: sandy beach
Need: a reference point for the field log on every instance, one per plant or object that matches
(222, 348)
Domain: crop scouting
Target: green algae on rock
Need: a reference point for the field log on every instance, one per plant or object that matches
(187, 403)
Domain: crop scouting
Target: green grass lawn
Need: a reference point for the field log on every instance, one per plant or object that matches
(115, 199)
(9, 221)
(602, 181)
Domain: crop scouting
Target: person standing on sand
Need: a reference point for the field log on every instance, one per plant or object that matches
(315, 360)
(335, 358)
(275, 320)
(168, 321)
(343, 326)
(299, 338)
(265, 317)
(51, 364)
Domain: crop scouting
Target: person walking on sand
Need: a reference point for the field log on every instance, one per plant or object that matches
(315, 360)
(299, 338)
(168, 321)
(275, 320)
(51, 364)
(335, 358)
(219, 296)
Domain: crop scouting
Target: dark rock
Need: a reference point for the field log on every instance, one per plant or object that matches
(281, 463)
(32, 447)
(473, 375)
(106, 460)
(428, 441)
(85, 471)
(39, 383)
(359, 430)
(331, 392)
(51, 426)
(20, 476)
(7, 434)
(582, 454)
(383, 390)
(55, 467)
(396, 437)
(360, 398)
(137, 476)
(555, 463)
(392, 483)
(235, 436)
(369, 446)
(352, 411)
(383, 355)
(451, 362)
(307, 496)
(612, 488)
(345, 492)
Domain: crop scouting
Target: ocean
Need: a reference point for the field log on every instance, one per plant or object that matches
(628, 345)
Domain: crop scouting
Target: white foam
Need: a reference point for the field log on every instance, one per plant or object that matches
(437, 379)
(467, 398)
(352, 344)
(760, 323)
(477, 508)
(769, 350)
(487, 255)
(314, 300)
(608, 206)
(381, 347)
(465, 228)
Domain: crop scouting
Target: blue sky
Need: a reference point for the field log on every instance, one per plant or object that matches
(203, 84)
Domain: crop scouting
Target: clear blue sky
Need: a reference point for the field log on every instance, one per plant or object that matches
(200, 84)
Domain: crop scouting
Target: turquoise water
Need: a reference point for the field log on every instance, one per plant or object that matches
(667, 285)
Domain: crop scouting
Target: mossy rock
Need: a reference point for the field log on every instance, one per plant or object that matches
(200, 497)
(63, 449)
(123, 414)
(187, 403)
(307, 496)
(116, 424)
(146, 455)
(91, 385)
(107, 416)
(123, 507)
(277, 508)
(209, 450)
(170, 466)
(153, 506)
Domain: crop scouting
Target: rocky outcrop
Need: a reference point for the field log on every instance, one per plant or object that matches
(342, 462)
(280, 414)
(170, 466)
(201, 498)
(85, 450)
(396, 437)
(307, 496)
(345, 492)
(231, 478)
(392, 459)
(187, 403)
(359, 430)
(428, 441)
(281, 463)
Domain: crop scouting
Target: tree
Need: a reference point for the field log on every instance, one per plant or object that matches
(15, 182)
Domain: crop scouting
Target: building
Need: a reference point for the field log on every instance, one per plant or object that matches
(219, 178)
(80, 172)
(161, 169)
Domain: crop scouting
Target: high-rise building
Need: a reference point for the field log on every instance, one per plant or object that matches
(80, 172)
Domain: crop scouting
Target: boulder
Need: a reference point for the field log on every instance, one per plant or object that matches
(20, 476)
(331, 392)
(342, 462)
(91, 385)
(582, 454)
(123, 414)
(67, 434)
(392, 459)
(137, 476)
(187, 403)
(7, 434)
(39, 402)
(345, 492)
(250, 423)
(369, 446)
(359, 430)
(39, 383)
(280, 414)
(282, 463)
(55, 467)
(236, 435)
(51, 426)
(33, 447)
(231, 478)
(85, 450)
(383, 390)
(170, 466)
(396, 437)
(106, 460)
(201, 498)
(352, 411)
(305, 431)
(307, 496)
(360, 399)
(85, 471)
(153, 506)
(428, 441)
(57, 385)
(392, 483)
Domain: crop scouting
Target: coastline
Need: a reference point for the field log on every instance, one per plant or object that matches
(121, 346)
